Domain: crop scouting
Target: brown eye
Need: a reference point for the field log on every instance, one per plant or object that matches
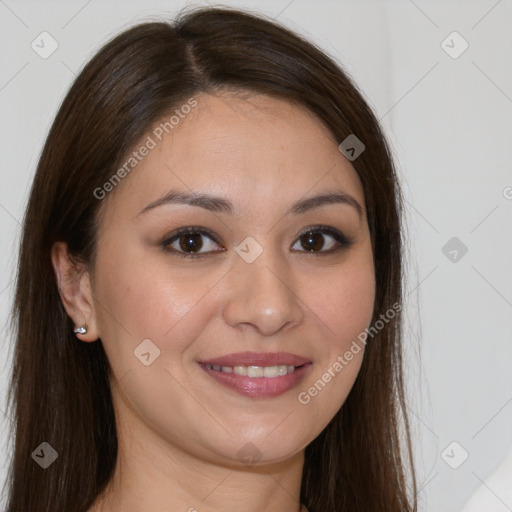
(190, 242)
(314, 240)
(196, 242)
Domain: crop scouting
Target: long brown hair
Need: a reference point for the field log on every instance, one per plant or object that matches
(60, 392)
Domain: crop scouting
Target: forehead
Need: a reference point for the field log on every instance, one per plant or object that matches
(252, 149)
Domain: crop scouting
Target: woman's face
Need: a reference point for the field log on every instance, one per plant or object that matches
(263, 280)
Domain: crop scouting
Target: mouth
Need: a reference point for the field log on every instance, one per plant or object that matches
(258, 375)
(255, 371)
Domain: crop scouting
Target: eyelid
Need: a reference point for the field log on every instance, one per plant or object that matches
(327, 230)
(191, 229)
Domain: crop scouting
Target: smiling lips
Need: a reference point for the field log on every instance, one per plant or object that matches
(258, 375)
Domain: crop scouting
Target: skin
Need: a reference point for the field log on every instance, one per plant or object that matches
(179, 430)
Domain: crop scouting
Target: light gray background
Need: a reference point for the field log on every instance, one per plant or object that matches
(449, 121)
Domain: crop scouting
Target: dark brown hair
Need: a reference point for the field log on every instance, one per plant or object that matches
(60, 392)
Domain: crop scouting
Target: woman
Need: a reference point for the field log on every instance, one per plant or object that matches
(208, 304)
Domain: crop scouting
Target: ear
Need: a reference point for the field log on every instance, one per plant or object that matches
(75, 291)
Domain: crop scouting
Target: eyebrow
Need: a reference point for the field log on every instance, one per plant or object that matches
(221, 205)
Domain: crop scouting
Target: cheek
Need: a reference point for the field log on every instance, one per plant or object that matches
(344, 301)
(147, 296)
(344, 306)
(135, 302)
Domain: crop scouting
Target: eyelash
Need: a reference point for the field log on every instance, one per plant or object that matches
(343, 241)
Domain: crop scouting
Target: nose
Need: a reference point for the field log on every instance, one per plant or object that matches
(261, 296)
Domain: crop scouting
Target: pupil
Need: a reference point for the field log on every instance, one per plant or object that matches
(191, 242)
(314, 240)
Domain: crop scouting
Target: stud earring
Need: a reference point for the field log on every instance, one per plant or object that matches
(80, 330)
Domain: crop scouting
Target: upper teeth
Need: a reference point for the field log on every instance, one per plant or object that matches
(254, 371)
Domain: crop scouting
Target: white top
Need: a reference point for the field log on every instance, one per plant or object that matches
(495, 495)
